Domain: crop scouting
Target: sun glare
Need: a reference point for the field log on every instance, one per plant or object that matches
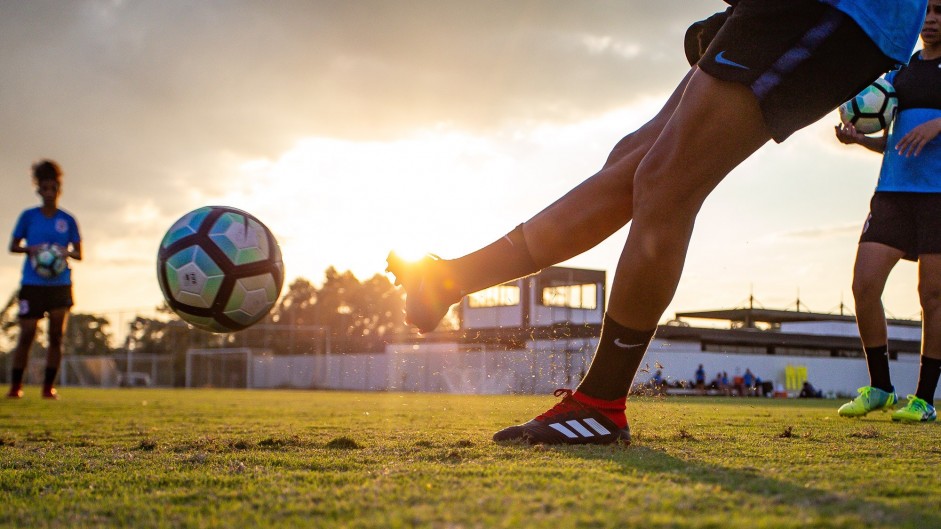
(346, 204)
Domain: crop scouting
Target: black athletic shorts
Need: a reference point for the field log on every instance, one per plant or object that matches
(36, 301)
(910, 222)
(801, 59)
(699, 35)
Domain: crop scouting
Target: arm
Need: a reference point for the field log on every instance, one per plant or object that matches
(74, 251)
(848, 135)
(912, 143)
(16, 245)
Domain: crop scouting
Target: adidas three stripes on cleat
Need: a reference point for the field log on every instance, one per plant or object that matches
(568, 422)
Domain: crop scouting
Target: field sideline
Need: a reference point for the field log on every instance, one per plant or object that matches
(233, 458)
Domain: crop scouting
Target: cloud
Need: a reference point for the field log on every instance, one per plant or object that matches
(144, 96)
(150, 105)
(823, 232)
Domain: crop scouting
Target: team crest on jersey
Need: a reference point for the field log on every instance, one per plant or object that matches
(62, 226)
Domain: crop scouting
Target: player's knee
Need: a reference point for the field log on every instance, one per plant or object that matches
(929, 294)
(866, 291)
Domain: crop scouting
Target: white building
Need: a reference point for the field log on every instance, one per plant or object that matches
(538, 333)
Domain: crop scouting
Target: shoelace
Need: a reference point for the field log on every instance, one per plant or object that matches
(567, 403)
(917, 404)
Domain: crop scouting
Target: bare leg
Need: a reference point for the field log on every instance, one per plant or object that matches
(24, 343)
(716, 126)
(600, 205)
(594, 210)
(57, 323)
(929, 291)
(874, 262)
(21, 356)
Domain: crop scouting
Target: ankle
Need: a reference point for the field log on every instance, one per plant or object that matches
(612, 409)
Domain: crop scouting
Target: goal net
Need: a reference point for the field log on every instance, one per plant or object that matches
(221, 368)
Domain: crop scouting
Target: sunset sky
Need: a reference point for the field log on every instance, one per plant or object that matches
(354, 127)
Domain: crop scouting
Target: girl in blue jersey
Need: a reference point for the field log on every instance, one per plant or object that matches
(770, 67)
(39, 296)
(904, 223)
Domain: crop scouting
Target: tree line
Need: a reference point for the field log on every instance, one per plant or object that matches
(343, 315)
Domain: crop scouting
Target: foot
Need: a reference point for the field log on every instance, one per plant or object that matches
(16, 392)
(429, 290)
(917, 410)
(568, 422)
(50, 393)
(869, 399)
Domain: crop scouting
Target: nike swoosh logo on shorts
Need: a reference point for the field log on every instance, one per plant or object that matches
(622, 345)
(720, 58)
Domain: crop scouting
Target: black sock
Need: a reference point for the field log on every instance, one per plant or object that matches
(503, 260)
(16, 376)
(877, 358)
(928, 379)
(50, 376)
(620, 351)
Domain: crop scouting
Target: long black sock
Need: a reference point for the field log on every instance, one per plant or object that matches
(16, 376)
(50, 376)
(928, 379)
(503, 260)
(877, 358)
(620, 351)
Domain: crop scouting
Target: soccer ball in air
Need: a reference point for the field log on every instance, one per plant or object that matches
(49, 261)
(220, 269)
(872, 109)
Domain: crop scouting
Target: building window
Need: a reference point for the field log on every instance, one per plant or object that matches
(498, 296)
(571, 296)
(734, 349)
(801, 351)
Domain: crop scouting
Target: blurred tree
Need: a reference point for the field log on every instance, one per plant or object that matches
(359, 316)
(9, 331)
(297, 304)
(88, 334)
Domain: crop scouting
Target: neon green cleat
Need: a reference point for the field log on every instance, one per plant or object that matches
(869, 399)
(917, 410)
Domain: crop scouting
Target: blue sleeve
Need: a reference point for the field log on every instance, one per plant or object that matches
(19, 231)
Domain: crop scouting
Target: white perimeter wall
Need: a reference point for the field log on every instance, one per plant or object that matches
(547, 366)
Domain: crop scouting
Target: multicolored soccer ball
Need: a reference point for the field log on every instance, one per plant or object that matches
(872, 109)
(220, 269)
(49, 261)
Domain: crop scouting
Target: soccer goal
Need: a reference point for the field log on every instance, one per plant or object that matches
(221, 368)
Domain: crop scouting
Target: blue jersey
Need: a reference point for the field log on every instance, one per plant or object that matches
(893, 25)
(918, 86)
(36, 228)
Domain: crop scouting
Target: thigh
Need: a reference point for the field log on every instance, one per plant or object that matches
(716, 126)
(57, 321)
(874, 262)
(929, 274)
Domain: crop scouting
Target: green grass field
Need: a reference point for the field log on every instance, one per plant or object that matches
(259, 459)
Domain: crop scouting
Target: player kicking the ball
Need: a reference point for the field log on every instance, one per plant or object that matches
(772, 67)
